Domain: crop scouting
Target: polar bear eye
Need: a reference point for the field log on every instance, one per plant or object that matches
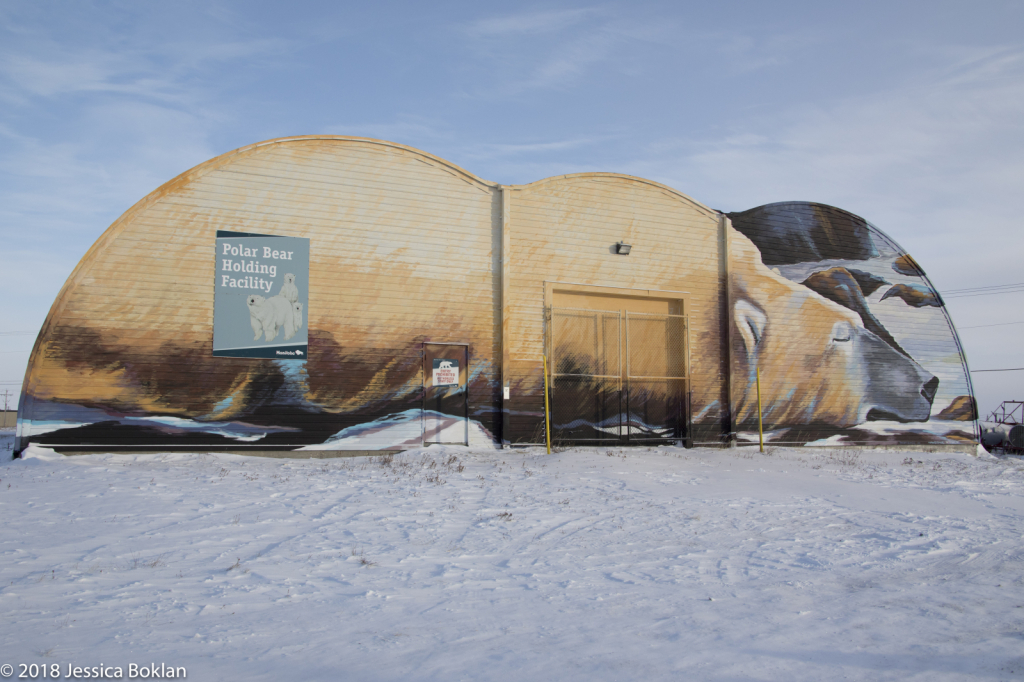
(842, 332)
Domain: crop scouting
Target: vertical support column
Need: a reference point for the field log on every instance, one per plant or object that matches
(729, 421)
(760, 425)
(506, 266)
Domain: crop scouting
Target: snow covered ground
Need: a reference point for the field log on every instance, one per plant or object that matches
(474, 564)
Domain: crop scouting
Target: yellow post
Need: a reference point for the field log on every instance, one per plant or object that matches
(760, 429)
(547, 408)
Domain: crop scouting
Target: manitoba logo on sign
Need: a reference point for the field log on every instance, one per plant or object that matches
(446, 372)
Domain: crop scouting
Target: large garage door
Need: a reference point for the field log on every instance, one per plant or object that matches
(618, 376)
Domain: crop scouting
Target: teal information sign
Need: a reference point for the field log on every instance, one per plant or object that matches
(261, 286)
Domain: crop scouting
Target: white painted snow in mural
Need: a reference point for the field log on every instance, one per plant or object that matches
(406, 430)
(240, 431)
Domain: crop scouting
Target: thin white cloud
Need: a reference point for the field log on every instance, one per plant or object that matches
(161, 74)
(528, 23)
(563, 49)
(535, 147)
(551, 50)
(412, 131)
(909, 144)
(571, 60)
(745, 52)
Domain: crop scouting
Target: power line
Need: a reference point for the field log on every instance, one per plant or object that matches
(984, 291)
(26, 333)
(1011, 369)
(985, 288)
(999, 324)
(987, 293)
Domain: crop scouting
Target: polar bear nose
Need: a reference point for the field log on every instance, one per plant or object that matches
(929, 389)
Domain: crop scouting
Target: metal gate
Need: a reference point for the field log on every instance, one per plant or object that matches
(618, 377)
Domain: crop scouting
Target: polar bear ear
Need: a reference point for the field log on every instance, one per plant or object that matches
(751, 324)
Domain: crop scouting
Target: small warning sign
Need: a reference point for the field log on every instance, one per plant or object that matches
(446, 372)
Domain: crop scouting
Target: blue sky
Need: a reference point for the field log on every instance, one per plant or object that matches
(908, 114)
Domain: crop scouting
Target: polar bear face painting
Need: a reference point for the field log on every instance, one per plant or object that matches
(818, 362)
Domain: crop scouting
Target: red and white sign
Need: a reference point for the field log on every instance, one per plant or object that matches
(446, 372)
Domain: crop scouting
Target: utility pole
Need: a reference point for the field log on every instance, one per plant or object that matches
(7, 403)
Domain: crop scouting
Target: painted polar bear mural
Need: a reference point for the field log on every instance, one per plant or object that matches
(834, 369)
(869, 351)
(853, 343)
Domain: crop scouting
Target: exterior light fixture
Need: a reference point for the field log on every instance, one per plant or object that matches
(623, 249)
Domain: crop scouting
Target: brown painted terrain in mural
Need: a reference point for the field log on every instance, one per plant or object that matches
(800, 232)
(906, 265)
(338, 386)
(843, 286)
(914, 295)
(144, 372)
(963, 408)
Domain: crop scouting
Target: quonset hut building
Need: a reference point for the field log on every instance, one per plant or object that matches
(345, 294)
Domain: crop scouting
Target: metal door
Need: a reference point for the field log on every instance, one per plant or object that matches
(446, 393)
(618, 376)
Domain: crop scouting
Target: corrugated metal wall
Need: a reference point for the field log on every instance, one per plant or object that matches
(402, 251)
(853, 343)
(564, 229)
